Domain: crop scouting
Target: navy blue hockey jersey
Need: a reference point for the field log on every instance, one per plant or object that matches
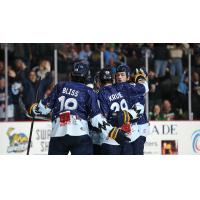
(118, 97)
(75, 97)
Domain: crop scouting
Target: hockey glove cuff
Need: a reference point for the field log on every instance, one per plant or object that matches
(118, 135)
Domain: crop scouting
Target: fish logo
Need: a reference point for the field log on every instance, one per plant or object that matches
(196, 141)
(18, 142)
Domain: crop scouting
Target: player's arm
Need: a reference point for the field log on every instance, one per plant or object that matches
(122, 117)
(108, 130)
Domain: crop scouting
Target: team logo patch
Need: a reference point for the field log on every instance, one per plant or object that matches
(18, 142)
(64, 118)
(196, 141)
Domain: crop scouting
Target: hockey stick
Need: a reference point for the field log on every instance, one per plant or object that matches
(33, 119)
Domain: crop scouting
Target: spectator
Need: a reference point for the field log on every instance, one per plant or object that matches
(43, 68)
(166, 85)
(85, 53)
(15, 88)
(176, 52)
(132, 55)
(147, 49)
(39, 51)
(181, 95)
(74, 54)
(20, 64)
(11, 75)
(161, 55)
(196, 95)
(156, 113)
(22, 70)
(95, 61)
(19, 108)
(154, 90)
(167, 111)
(30, 86)
(121, 54)
(64, 60)
(10, 108)
(197, 56)
(2, 68)
(110, 56)
(24, 52)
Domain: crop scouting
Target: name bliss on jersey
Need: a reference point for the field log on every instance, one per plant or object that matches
(115, 96)
(70, 92)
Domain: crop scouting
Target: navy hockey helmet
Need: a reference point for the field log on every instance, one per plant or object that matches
(123, 68)
(105, 75)
(80, 69)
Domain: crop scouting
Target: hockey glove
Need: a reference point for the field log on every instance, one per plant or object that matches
(139, 109)
(119, 118)
(34, 110)
(39, 109)
(140, 75)
(118, 135)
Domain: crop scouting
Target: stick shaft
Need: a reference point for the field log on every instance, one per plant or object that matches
(30, 136)
(33, 120)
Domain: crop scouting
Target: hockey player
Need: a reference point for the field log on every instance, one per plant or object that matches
(71, 104)
(141, 126)
(115, 103)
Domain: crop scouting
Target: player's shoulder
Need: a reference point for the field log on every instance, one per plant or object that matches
(106, 89)
(124, 85)
(132, 84)
(90, 90)
(87, 90)
(76, 85)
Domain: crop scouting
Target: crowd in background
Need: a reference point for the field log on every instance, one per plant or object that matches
(168, 73)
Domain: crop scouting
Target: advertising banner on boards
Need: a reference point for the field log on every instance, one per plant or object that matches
(173, 137)
(166, 137)
(14, 137)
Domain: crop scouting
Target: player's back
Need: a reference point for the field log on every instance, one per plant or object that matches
(111, 100)
(77, 101)
(130, 90)
(74, 97)
(122, 96)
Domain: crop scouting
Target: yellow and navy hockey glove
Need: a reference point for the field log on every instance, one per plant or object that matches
(38, 109)
(139, 75)
(119, 118)
(118, 135)
(34, 110)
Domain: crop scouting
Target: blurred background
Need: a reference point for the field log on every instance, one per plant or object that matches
(173, 70)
